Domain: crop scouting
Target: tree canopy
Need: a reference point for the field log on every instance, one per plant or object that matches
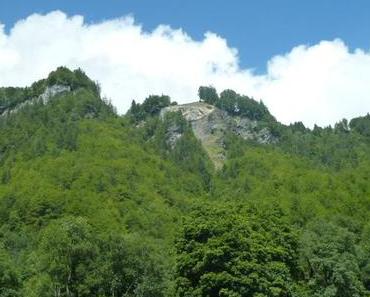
(97, 204)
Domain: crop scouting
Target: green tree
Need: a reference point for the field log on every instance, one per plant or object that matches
(235, 251)
(361, 125)
(131, 266)
(208, 94)
(330, 262)
(67, 254)
(153, 104)
(9, 276)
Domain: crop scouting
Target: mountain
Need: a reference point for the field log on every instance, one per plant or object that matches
(212, 198)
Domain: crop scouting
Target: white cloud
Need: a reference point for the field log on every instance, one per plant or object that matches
(319, 84)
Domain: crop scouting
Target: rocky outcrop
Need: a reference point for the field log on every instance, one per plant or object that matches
(49, 93)
(211, 124)
(52, 91)
(173, 133)
(192, 111)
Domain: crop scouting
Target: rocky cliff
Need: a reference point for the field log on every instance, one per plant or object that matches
(211, 124)
(49, 92)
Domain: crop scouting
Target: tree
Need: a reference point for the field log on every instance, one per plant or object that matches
(153, 104)
(67, 254)
(328, 255)
(342, 126)
(298, 127)
(9, 278)
(361, 125)
(130, 266)
(208, 94)
(235, 251)
(136, 111)
(149, 108)
(227, 101)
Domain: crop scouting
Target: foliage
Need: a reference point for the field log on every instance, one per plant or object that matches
(96, 204)
(330, 262)
(11, 97)
(236, 104)
(150, 107)
(208, 95)
(9, 276)
(236, 251)
(76, 79)
(361, 125)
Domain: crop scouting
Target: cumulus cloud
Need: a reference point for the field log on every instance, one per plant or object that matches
(321, 84)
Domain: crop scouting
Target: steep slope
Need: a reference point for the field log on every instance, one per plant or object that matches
(88, 206)
(96, 204)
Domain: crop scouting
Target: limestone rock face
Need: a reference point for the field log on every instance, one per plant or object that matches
(172, 135)
(49, 93)
(53, 91)
(210, 125)
(192, 111)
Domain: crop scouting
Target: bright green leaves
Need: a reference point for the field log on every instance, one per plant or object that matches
(74, 259)
(91, 203)
(67, 255)
(236, 251)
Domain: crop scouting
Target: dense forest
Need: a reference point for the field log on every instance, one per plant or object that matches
(97, 204)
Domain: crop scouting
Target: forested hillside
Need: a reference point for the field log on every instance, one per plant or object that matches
(97, 204)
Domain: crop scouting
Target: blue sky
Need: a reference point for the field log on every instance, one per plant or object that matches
(307, 60)
(258, 29)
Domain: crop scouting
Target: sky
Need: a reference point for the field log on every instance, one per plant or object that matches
(307, 60)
